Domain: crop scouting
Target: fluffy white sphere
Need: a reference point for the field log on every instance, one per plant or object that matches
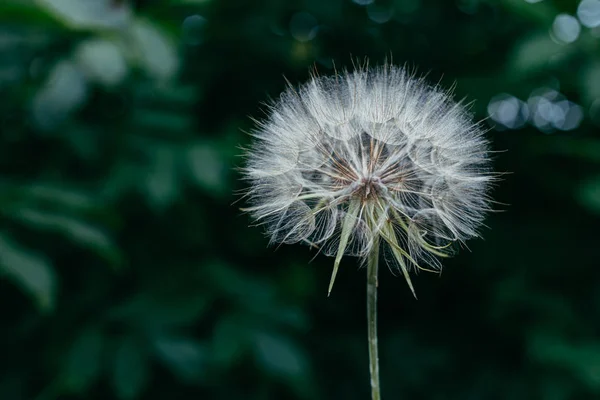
(374, 157)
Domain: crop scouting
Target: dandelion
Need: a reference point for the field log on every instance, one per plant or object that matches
(373, 163)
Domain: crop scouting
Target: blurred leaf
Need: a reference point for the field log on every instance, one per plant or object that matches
(83, 140)
(230, 340)
(102, 61)
(581, 359)
(590, 82)
(290, 316)
(89, 14)
(156, 311)
(185, 357)
(65, 90)
(155, 51)
(589, 194)
(252, 293)
(536, 53)
(124, 178)
(161, 183)
(131, 371)
(65, 197)
(75, 230)
(31, 272)
(208, 169)
(541, 12)
(84, 361)
(279, 356)
(24, 11)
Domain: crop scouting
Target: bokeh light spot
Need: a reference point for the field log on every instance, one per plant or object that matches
(588, 13)
(573, 115)
(192, 29)
(508, 111)
(566, 28)
(551, 111)
(379, 14)
(303, 27)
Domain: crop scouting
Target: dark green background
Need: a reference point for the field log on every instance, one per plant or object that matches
(127, 273)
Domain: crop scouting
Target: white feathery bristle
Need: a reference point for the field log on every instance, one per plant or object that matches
(371, 154)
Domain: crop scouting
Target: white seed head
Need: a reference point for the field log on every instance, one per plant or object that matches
(368, 158)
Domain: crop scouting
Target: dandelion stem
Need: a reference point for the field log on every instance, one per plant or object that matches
(373, 260)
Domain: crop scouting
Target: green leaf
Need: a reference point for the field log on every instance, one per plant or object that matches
(161, 183)
(102, 61)
(185, 357)
(230, 340)
(250, 293)
(207, 169)
(536, 53)
(589, 194)
(65, 91)
(131, 370)
(155, 311)
(278, 355)
(33, 273)
(25, 11)
(77, 231)
(580, 359)
(89, 14)
(540, 13)
(84, 361)
(154, 49)
(589, 81)
(65, 197)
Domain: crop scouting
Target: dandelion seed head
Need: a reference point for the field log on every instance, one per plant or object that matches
(368, 158)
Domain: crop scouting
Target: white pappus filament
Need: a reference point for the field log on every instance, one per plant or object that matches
(370, 157)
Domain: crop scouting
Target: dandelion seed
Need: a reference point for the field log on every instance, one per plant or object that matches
(368, 162)
(367, 155)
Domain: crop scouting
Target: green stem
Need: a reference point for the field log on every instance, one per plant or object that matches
(372, 266)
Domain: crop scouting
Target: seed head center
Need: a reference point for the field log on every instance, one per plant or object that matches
(368, 187)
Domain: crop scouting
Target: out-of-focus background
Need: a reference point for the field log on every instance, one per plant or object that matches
(126, 272)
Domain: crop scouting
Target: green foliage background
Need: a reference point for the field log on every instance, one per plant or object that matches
(126, 272)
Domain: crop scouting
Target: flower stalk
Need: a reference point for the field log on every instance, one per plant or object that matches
(372, 266)
(367, 161)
